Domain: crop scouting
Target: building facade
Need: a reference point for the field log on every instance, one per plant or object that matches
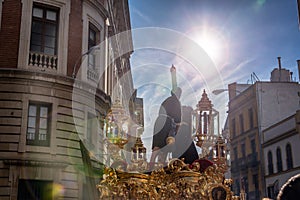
(63, 63)
(243, 124)
(252, 109)
(280, 147)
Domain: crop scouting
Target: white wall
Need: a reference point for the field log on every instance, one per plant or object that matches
(294, 140)
(283, 176)
(279, 129)
(276, 101)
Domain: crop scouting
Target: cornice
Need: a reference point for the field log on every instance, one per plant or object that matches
(35, 163)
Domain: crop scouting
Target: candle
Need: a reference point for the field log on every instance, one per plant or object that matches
(137, 153)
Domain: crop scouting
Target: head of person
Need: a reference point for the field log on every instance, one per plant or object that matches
(177, 92)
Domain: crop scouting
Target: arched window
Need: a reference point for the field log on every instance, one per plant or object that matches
(279, 160)
(270, 162)
(289, 157)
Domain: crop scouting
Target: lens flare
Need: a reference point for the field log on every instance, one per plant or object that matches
(212, 41)
(58, 190)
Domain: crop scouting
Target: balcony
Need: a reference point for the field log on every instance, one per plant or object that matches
(44, 61)
(239, 165)
(92, 75)
(242, 163)
(234, 167)
(252, 160)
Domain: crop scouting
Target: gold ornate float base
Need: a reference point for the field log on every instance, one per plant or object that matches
(175, 181)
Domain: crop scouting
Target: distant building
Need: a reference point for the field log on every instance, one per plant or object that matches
(252, 109)
(226, 136)
(280, 147)
(45, 154)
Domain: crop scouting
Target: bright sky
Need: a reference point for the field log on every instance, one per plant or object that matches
(211, 43)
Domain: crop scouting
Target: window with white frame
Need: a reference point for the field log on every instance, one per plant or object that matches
(93, 34)
(38, 125)
(93, 23)
(93, 40)
(28, 56)
(44, 36)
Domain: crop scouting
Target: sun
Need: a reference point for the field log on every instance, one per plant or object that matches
(211, 41)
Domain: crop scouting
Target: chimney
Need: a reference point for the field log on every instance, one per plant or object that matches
(279, 63)
(279, 67)
(232, 90)
(298, 62)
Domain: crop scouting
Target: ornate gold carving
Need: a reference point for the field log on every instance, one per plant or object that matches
(176, 181)
(138, 179)
(170, 140)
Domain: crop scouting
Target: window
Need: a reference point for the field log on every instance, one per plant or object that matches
(255, 181)
(271, 192)
(279, 160)
(234, 160)
(253, 146)
(233, 127)
(289, 156)
(246, 184)
(270, 163)
(237, 186)
(35, 189)
(93, 40)
(241, 118)
(235, 153)
(91, 127)
(38, 127)
(243, 148)
(44, 30)
(44, 36)
(251, 122)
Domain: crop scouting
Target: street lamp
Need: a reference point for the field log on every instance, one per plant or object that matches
(219, 91)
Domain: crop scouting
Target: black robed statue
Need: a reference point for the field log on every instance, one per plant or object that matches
(172, 129)
(166, 125)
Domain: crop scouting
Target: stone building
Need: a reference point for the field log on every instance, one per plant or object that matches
(56, 86)
(280, 147)
(252, 109)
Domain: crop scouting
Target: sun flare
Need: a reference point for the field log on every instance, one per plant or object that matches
(212, 42)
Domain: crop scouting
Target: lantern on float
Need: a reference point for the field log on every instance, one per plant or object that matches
(206, 124)
(114, 124)
(138, 151)
(220, 151)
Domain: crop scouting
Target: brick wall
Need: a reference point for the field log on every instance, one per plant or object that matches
(9, 34)
(75, 35)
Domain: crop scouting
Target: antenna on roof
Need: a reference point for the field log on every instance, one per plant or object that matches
(254, 78)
